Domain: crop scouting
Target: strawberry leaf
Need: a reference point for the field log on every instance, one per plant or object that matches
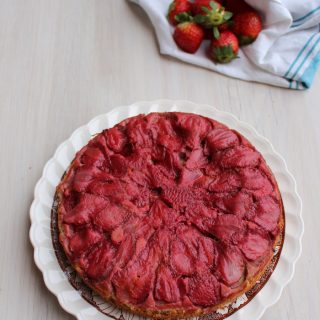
(199, 18)
(213, 5)
(183, 17)
(206, 10)
(227, 15)
(216, 33)
(223, 54)
(245, 40)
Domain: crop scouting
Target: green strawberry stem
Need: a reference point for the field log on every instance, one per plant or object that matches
(213, 17)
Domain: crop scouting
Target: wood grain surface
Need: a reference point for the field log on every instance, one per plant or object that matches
(63, 62)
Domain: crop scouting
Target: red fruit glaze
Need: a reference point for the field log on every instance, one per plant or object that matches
(169, 210)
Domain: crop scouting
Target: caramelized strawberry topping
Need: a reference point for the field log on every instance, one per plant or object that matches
(169, 209)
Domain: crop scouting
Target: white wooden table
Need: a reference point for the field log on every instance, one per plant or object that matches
(63, 62)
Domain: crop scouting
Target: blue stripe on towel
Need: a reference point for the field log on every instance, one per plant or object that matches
(307, 78)
(306, 57)
(309, 74)
(307, 15)
(290, 84)
(299, 55)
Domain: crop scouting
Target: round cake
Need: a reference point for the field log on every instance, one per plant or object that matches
(169, 215)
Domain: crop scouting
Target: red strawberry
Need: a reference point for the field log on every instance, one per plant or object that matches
(247, 26)
(198, 4)
(176, 8)
(225, 48)
(237, 6)
(188, 36)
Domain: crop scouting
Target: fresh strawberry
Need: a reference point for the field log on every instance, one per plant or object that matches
(176, 8)
(188, 36)
(225, 48)
(198, 4)
(213, 16)
(237, 6)
(247, 26)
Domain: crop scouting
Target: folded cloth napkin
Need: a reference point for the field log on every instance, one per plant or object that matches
(286, 53)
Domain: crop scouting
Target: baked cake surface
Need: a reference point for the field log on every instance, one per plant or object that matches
(169, 214)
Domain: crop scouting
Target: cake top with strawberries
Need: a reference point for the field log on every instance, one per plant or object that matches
(169, 214)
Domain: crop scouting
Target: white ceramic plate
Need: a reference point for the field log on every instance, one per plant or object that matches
(40, 212)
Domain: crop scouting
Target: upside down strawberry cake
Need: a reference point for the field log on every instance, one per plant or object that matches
(169, 215)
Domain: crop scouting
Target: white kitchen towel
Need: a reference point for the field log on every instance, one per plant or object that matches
(286, 53)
